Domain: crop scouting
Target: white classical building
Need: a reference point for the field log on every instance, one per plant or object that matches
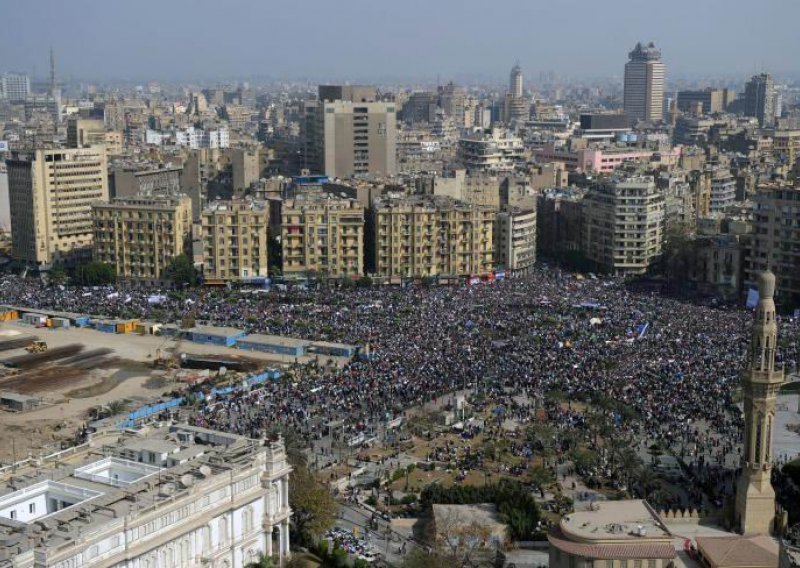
(173, 496)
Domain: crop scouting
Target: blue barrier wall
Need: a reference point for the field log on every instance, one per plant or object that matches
(153, 409)
(147, 411)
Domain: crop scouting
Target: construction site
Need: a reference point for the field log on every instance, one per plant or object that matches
(56, 378)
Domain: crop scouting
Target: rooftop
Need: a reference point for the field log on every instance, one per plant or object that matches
(58, 499)
(739, 551)
(629, 520)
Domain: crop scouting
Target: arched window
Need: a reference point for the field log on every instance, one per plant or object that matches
(223, 531)
(205, 539)
(247, 519)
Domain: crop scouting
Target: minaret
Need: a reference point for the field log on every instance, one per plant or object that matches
(755, 498)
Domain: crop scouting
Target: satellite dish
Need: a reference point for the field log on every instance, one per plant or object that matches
(205, 470)
(187, 480)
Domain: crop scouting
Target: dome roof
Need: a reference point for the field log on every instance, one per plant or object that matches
(766, 284)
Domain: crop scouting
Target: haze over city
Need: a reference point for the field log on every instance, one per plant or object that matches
(420, 284)
(413, 41)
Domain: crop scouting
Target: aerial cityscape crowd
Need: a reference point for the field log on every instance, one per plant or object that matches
(562, 319)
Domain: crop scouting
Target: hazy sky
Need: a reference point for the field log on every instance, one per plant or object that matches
(402, 39)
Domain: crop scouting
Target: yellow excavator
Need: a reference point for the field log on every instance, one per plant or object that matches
(37, 346)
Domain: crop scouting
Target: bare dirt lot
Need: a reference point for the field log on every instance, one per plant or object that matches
(85, 368)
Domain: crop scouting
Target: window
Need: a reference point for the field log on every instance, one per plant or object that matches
(13, 515)
(32, 508)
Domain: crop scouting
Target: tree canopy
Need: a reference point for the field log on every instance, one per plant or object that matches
(95, 273)
(182, 271)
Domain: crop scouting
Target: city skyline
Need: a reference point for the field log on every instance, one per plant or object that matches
(174, 41)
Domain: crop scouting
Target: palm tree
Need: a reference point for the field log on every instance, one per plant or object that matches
(628, 465)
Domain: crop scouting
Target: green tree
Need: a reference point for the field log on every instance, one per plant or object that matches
(95, 273)
(314, 508)
(262, 562)
(182, 272)
(57, 275)
(541, 476)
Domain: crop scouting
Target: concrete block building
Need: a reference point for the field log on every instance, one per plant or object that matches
(51, 193)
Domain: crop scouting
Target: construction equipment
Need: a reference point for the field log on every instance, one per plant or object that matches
(37, 346)
(163, 360)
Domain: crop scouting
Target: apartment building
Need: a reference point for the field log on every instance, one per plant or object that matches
(139, 236)
(174, 495)
(775, 242)
(515, 238)
(235, 241)
(51, 193)
(322, 238)
(623, 224)
(413, 237)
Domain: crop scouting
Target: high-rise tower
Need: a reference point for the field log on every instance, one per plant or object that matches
(759, 99)
(515, 83)
(755, 497)
(644, 84)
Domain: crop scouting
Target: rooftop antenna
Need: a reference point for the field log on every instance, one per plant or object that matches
(52, 71)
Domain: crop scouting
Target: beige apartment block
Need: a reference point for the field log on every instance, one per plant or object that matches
(623, 225)
(322, 238)
(235, 240)
(51, 193)
(416, 237)
(139, 236)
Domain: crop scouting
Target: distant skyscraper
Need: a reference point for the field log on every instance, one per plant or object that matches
(759, 99)
(515, 85)
(644, 84)
(15, 87)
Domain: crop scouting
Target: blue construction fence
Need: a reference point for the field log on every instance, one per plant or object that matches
(151, 410)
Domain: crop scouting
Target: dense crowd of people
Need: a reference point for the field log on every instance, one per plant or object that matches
(674, 364)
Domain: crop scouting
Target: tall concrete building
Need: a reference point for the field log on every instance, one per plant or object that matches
(623, 225)
(420, 108)
(322, 238)
(348, 132)
(51, 193)
(235, 241)
(452, 101)
(775, 241)
(755, 497)
(710, 100)
(759, 99)
(515, 82)
(15, 87)
(140, 236)
(644, 84)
